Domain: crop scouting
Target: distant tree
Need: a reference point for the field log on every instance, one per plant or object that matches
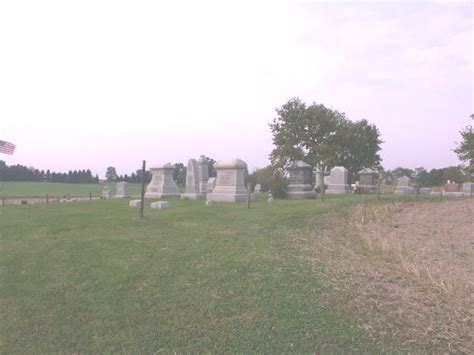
(399, 172)
(465, 150)
(436, 177)
(111, 174)
(264, 177)
(319, 135)
(422, 177)
(455, 174)
(210, 165)
(179, 174)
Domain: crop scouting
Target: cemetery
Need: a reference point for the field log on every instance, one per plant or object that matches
(206, 262)
(236, 178)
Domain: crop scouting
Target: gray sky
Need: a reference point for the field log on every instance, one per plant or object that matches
(88, 84)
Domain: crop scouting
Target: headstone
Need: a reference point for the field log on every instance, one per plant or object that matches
(135, 203)
(160, 205)
(162, 183)
(339, 181)
(230, 183)
(106, 192)
(300, 181)
(208, 203)
(121, 190)
(192, 181)
(367, 179)
(403, 186)
(211, 184)
(453, 194)
(203, 174)
(270, 200)
(257, 188)
(436, 193)
(468, 188)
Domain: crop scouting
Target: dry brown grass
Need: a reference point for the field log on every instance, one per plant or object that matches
(407, 270)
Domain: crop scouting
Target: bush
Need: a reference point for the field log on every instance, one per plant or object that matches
(279, 186)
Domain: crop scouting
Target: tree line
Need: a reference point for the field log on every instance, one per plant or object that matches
(22, 173)
(179, 174)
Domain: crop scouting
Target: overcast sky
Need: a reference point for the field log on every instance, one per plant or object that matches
(88, 84)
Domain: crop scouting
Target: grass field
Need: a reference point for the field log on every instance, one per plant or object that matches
(40, 189)
(91, 277)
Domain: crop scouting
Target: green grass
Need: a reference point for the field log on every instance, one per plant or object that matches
(40, 189)
(90, 277)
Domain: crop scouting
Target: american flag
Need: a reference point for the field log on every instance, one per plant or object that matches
(7, 148)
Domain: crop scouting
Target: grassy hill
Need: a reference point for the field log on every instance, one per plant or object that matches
(90, 277)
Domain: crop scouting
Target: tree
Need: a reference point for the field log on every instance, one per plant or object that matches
(210, 165)
(111, 174)
(465, 149)
(399, 172)
(454, 173)
(264, 177)
(179, 174)
(319, 135)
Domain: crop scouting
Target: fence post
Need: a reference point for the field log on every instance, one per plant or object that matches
(47, 198)
(249, 185)
(90, 196)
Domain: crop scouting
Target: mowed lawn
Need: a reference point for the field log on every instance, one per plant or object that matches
(91, 277)
(40, 189)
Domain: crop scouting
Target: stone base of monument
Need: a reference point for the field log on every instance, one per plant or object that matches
(338, 189)
(368, 188)
(453, 194)
(135, 203)
(227, 197)
(295, 195)
(188, 196)
(161, 195)
(405, 190)
(160, 205)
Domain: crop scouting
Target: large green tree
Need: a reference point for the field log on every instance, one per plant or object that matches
(111, 174)
(319, 135)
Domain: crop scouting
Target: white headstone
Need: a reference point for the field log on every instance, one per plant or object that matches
(300, 181)
(162, 183)
(257, 188)
(403, 186)
(367, 179)
(203, 174)
(230, 183)
(192, 181)
(106, 192)
(211, 184)
(160, 205)
(339, 181)
(135, 203)
(121, 190)
(468, 188)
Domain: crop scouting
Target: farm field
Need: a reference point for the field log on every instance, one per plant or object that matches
(40, 189)
(91, 277)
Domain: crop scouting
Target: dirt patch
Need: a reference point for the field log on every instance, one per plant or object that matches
(407, 271)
